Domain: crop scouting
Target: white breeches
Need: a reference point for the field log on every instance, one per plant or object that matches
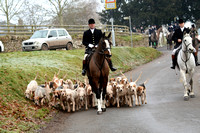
(174, 51)
(85, 56)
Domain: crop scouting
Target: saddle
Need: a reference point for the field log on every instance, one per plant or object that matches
(88, 58)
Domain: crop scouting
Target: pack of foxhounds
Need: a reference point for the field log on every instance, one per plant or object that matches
(73, 95)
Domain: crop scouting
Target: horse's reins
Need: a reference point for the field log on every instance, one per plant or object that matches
(102, 52)
(187, 59)
(104, 57)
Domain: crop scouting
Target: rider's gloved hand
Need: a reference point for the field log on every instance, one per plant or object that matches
(91, 45)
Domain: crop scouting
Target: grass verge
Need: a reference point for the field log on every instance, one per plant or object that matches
(17, 69)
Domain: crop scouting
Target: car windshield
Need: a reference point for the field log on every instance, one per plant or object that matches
(40, 34)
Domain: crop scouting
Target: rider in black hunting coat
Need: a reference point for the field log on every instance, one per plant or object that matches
(177, 38)
(91, 39)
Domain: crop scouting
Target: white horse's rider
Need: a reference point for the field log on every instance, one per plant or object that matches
(177, 38)
(91, 39)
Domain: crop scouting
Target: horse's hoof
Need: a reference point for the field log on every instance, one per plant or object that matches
(186, 98)
(192, 96)
(103, 109)
(99, 112)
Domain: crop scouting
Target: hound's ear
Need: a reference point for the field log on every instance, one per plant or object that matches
(109, 35)
(103, 35)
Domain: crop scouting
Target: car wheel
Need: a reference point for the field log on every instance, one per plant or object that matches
(69, 46)
(0, 49)
(44, 47)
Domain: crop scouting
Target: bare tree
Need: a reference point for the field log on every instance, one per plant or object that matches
(34, 14)
(80, 11)
(10, 8)
(59, 6)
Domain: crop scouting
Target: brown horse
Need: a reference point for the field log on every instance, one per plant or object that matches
(195, 41)
(98, 71)
(169, 40)
(154, 40)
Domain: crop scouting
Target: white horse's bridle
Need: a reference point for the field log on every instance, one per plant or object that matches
(186, 54)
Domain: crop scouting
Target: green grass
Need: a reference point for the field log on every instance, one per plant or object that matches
(17, 69)
(135, 38)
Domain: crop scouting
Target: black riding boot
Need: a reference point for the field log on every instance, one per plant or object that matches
(174, 62)
(84, 68)
(196, 60)
(111, 65)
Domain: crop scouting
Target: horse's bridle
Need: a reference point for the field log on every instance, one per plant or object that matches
(103, 50)
(104, 56)
(187, 51)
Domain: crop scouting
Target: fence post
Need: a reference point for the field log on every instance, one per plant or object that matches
(15, 30)
(32, 28)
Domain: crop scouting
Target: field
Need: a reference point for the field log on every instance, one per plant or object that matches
(17, 69)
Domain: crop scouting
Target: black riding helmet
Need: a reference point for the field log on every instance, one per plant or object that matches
(91, 21)
(180, 21)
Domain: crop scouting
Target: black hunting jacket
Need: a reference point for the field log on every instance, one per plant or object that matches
(178, 34)
(89, 38)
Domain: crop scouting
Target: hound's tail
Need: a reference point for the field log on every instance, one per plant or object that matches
(138, 78)
(36, 76)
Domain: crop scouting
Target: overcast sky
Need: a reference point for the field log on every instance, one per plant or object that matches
(46, 4)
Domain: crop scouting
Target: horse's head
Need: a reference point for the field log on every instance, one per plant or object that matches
(105, 45)
(187, 43)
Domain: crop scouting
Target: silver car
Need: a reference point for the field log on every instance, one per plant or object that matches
(48, 39)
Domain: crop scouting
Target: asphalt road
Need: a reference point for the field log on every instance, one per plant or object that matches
(165, 111)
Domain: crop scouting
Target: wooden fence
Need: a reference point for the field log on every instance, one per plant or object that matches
(72, 29)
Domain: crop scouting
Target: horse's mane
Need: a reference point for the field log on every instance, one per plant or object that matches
(100, 44)
(186, 35)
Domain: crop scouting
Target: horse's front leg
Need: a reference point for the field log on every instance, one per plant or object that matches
(99, 101)
(191, 91)
(191, 85)
(103, 104)
(98, 97)
(183, 78)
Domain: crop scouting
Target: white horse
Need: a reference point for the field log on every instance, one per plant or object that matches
(162, 32)
(187, 65)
